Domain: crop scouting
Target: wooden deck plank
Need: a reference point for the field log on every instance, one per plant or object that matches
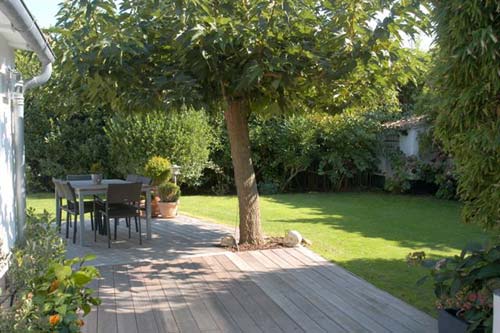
(340, 311)
(371, 318)
(220, 315)
(368, 291)
(261, 317)
(160, 304)
(384, 313)
(284, 321)
(231, 304)
(291, 303)
(125, 313)
(193, 300)
(106, 312)
(288, 284)
(90, 320)
(180, 310)
(146, 322)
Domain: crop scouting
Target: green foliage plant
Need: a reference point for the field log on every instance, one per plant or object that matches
(96, 168)
(466, 282)
(283, 147)
(185, 137)
(56, 300)
(467, 81)
(159, 169)
(349, 146)
(49, 293)
(169, 192)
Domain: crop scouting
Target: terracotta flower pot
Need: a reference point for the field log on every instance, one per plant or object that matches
(155, 210)
(168, 209)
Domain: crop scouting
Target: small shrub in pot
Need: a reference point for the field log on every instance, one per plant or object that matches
(159, 169)
(169, 194)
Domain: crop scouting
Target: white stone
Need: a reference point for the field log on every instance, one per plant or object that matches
(227, 241)
(293, 238)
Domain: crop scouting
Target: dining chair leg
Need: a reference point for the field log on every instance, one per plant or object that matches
(108, 227)
(129, 227)
(95, 231)
(67, 224)
(136, 228)
(140, 233)
(116, 225)
(91, 220)
(60, 218)
(74, 230)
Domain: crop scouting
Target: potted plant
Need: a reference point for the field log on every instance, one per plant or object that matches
(464, 287)
(169, 195)
(159, 170)
(96, 172)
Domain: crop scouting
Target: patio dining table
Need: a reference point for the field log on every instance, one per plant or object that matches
(86, 188)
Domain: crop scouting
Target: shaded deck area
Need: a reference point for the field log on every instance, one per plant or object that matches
(180, 282)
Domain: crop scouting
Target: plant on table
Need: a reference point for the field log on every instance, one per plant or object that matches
(96, 170)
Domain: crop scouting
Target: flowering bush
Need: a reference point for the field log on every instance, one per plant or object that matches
(54, 301)
(47, 292)
(465, 283)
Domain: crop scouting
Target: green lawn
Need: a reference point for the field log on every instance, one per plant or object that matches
(367, 233)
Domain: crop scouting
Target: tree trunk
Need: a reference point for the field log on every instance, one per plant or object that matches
(236, 116)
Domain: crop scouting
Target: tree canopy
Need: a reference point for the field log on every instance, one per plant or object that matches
(275, 53)
(240, 57)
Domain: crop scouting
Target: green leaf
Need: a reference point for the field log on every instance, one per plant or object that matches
(62, 272)
(89, 257)
(81, 278)
(491, 270)
(86, 309)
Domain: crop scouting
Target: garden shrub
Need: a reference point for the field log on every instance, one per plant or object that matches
(184, 137)
(169, 192)
(49, 293)
(349, 145)
(59, 143)
(282, 148)
(467, 81)
(159, 169)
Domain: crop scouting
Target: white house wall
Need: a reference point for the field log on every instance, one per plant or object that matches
(7, 206)
(409, 143)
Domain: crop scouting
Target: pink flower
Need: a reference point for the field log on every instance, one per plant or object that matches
(472, 297)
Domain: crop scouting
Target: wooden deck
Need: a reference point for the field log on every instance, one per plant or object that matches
(201, 288)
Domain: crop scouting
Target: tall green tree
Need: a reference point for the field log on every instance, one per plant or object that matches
(468, 88)
(242, 56)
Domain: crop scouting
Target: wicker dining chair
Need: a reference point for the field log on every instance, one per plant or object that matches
(121, 202)
(72, 207)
